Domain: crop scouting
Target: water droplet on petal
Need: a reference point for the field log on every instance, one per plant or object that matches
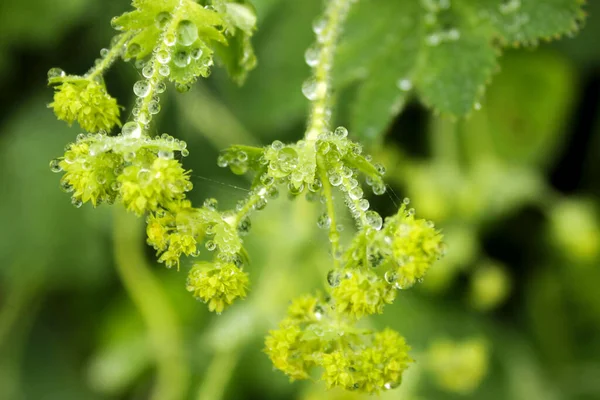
(340, 132)
(55, 73)
(55, 166)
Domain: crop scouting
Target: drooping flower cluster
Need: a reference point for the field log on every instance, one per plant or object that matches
(317, 335)
(141, 173)
(85, 101)
(217, 284)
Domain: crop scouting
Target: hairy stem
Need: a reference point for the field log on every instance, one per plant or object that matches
(143, 114)
(113, 53)
(253, 198)
(327, 36)
(152, 303)
(334, 238)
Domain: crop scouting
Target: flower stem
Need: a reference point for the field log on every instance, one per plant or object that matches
(153, 305)
(333, 233)
(327, 36)
(115, 52)
(218, 374)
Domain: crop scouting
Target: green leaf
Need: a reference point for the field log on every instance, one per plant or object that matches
(525, 108)
(445, 50)
(185, 32)
(238, 56)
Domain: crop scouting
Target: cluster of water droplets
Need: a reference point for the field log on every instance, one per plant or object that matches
(100, 147)
(435, 11)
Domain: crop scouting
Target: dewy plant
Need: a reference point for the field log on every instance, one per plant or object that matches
(177, 41)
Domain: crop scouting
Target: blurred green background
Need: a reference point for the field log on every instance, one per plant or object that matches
(512, 311)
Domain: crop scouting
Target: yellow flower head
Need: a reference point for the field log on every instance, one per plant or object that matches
(85, 101)
(218, 284)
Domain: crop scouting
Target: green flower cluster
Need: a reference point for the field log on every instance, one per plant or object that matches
(142, 174)
(317, 335)
(217, 284)
(300, 166)
(83, 100)
(359, 292)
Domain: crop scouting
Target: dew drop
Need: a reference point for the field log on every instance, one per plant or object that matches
(196, 53)
(211, 204)
(56, 73)
(162, 19)
(277, 145)
(334, 278)
(170, 39)
(153, 107)
(164, 70)
(324, 222)
(187, 32)
(404, 84)
(309, 89)
(390, 277)
(133, 49)
(374, 219)
(76, 202)
(114, 24)
(148, 71)
(315, 186)
(132, 130)
(355, 193)
(266, 179)
(55, 166)
(210, 245)
(363, 204)
(340, 132)
(141, 88)
(335, 179)
(319, 25)
(380, 168)
(311, 56)
(104, 52)
(378, 188)
(165, 154)
(163, 56)
(244, 227)
(182, 59)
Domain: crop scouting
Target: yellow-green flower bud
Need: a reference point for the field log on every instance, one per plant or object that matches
(415, 246)
(178, 244)
(89, 177)
(87, 102)
(369, 368)
(361, 293)
(146, 187)
(288, 352)
(218, 285)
